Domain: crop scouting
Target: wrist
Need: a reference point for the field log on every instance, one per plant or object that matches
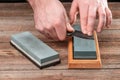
(34, 3)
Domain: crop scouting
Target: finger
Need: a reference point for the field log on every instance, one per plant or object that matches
(53, 34)
(73, 12)
(47, 31)
(50, 32)
(69, 27)
(83, 11)
(91, 19)
(60, 28)
(61, 33)
(108, 17)
(102, 18)
(42, 30)
(47, 35)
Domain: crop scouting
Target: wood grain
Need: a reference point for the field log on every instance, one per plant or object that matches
(105, 35)
(61, 75)
(18, 17)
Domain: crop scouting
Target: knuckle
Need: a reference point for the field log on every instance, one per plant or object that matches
(86, 2)
(89, 29)
(36, 27)
(41, 29)
(71, 13)
(57, 22)
(92, 16)
(100, 26)
(89, 25)
(49, 27)
(83, 26)
(84, 18)
(62, 38)
(109, 13)
(103, 14)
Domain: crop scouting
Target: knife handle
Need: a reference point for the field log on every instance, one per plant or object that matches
(70, 33)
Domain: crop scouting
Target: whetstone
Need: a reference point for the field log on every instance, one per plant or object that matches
(83, 53)
(35, 49)
(83, 48)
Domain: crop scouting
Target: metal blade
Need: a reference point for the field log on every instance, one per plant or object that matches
(79, 34)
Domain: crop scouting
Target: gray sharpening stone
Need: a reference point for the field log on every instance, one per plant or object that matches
(83, 48)
(35, 49)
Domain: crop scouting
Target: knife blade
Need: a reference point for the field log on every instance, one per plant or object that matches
(79, 34)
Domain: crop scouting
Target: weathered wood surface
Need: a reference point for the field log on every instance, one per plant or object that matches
(18, 17)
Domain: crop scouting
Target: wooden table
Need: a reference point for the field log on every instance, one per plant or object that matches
(18, 17)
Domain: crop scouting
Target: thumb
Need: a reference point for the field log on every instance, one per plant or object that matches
(68, 26)
(73, 12)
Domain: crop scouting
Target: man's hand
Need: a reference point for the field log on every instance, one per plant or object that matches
(50, 18)
(88, 10)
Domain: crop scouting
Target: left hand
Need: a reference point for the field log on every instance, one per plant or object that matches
(88, 10)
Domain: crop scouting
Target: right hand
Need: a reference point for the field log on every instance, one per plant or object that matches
(50, 18)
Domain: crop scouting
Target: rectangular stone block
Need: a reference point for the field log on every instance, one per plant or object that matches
(83, 48)
(35, 49)
(84, 53)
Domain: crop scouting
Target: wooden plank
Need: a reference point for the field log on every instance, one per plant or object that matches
(15, 9)
(16, 24)
(61, 74)
(108, 48)
(109, 35)
(27, 23)
(55, 45)
(6, 35)
(23, 9)
(14, 6)
(11, 59)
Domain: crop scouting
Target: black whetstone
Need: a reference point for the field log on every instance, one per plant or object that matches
(83, 48)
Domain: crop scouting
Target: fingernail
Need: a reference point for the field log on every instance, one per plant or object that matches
(89, 33)
(85, 31)
(70, 27)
